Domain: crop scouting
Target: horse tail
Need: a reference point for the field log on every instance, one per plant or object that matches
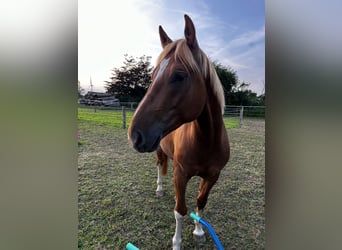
(162, 160)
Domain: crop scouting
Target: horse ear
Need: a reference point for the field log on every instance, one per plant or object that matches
(190, 33)
(164, 38)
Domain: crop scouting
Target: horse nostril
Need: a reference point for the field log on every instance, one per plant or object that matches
(138, 139)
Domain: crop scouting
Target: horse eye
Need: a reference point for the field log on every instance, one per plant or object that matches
(179, 77)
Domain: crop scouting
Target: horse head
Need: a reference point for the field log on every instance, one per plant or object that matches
(177, 94)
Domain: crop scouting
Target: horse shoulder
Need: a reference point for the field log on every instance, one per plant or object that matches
(167, 145)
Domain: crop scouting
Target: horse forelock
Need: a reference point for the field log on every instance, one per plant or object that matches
(182, 54)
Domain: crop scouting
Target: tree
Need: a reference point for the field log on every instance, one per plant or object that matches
(236, 92)
(241, 95)
(130, 82)
(261, 100)
(228, 78)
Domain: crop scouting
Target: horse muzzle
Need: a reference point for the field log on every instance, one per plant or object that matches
(145, 141)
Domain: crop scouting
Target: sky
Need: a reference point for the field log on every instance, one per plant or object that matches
(230, 32)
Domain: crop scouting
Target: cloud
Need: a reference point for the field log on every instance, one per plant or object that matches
(245, 53)
(242, 46)
(224, 42)
(248, 38)
(108, 30)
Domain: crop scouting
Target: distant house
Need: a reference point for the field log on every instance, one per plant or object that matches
(99, 99)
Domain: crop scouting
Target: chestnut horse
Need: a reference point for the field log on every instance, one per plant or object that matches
(181, 117)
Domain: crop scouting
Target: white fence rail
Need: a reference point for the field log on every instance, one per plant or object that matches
(230, 111)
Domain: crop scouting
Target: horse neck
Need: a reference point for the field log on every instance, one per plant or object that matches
(210, 122)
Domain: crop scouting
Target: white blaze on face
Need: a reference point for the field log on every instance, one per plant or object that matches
(162, 67)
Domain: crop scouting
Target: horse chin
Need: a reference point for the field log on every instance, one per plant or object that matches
(155, 145)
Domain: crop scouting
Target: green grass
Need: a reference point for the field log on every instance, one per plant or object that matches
(231, 122)
(104, 117)
(117, 201)
(114, 118)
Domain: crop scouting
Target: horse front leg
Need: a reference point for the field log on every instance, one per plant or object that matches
(202, 198)
(159, 191)
(180, 181)
(162, 162)
(198, 233)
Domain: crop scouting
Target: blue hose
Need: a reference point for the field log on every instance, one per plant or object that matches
(130, 246)
(210, 229)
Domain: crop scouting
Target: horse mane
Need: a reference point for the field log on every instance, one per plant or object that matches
(183, 54)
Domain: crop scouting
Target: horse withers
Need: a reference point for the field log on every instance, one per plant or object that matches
(181, 117)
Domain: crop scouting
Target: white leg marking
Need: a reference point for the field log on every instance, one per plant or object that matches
(177, 238)
(198, 232)
(159, 190)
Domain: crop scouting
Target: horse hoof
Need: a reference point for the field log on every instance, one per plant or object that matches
(159, 193)
(199, 238)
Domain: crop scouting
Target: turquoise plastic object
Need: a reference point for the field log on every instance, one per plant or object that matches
(195, 216)
(210, 229)
(130, 246)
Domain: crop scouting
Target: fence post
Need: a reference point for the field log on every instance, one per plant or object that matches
(241, 116)
(123, 117)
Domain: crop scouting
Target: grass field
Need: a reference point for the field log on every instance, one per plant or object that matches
(114, 118)
(117, 201)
